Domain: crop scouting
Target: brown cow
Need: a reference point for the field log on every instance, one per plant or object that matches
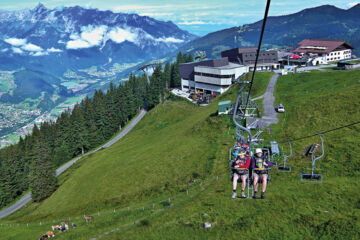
(55, 227)
(88, 218)
(50, 234)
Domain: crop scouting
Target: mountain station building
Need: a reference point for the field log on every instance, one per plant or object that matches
(267, 61)
(324, 51)
(210, 76)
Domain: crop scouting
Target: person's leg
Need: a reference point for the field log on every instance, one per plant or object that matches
(243, 182)
(235, 179)
(256, 179)
(264, 184)
(243, 185)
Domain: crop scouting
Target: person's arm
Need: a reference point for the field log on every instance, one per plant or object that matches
(269, 164)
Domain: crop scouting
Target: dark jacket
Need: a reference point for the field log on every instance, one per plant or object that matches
(253, 162)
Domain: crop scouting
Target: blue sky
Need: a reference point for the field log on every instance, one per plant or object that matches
(196, 16)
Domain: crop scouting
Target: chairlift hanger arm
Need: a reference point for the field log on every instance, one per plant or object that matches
(322, 148)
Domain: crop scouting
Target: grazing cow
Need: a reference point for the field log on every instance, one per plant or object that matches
(50, 234)
(73, 225)
(66, 225)
(88, 218)
(57, 227)
(43, 237)
(62, 229)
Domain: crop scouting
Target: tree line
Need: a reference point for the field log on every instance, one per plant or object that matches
(31, 163)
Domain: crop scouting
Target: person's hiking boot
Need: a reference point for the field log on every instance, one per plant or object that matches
(233, 195)
(255, 195)
(243, 194)
(262, 195)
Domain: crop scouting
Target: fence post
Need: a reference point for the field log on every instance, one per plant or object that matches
(187, 192)
(153, 205)
(98, 213)
(40, 223)
(169, 199)
(143, 209)
(114, 210)
(27, 224)
(217, 178)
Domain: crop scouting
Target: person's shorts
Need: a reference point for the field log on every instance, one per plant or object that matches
(242, 172)
(260, 173)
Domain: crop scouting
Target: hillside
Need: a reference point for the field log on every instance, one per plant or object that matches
(323, 22)
(178, 143)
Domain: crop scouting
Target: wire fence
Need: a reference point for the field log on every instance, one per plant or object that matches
(118, 211)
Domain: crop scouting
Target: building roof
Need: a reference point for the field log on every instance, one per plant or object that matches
(321, 46)
(230, 65)
(240, 50)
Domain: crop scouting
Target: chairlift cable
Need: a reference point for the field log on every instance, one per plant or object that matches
(321, 133)
(258, 49)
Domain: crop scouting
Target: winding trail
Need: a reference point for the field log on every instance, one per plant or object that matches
(27, 197)
(270, 116)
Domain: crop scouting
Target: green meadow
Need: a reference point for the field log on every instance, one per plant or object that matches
(180, 151)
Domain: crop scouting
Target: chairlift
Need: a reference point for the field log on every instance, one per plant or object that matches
(285, 168)
(315, 175)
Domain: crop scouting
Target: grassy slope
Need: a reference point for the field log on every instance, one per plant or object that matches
(292, 210)
(156, 159)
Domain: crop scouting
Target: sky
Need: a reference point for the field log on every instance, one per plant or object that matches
(196, 16)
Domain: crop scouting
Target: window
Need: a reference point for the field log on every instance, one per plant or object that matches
(214, 75)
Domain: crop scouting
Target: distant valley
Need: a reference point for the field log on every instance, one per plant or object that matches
(52, 58)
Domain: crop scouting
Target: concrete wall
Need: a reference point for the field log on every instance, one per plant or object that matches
(213, 80)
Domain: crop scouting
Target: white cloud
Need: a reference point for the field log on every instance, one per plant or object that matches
(4, 50)
(89, 37)
(170, 40)
(127, 8)
(54, 50)
(120, 35)
(352, 4)
(93, 35)
(37, 54)
(156, 14)
(17, 50)
(31, 47)
(75, 44)
(15, 41)
(196, 22)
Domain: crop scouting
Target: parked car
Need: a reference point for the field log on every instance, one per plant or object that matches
(280, 108)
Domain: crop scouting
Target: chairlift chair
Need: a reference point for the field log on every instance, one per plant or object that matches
(315, 175)
(285, 168)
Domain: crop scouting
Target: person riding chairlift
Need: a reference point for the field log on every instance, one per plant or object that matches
(260, 165)
(241, 170)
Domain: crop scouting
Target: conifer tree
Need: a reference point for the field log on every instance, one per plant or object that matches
(42, 176)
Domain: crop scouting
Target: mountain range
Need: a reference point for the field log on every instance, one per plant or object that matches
(54, 40)
(323, 22)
